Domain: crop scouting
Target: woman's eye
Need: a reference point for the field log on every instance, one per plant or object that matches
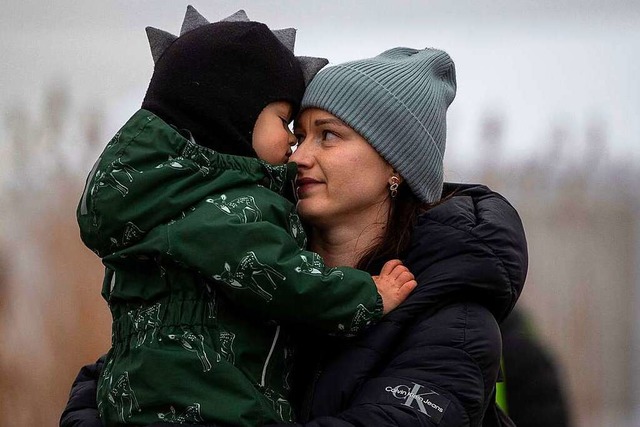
(299, 138)
(328, 135)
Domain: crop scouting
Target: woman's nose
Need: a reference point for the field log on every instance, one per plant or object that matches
(300, 155)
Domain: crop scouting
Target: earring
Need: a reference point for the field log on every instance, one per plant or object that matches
(393, 186)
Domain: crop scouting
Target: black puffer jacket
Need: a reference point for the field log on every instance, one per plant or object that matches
(435, 359)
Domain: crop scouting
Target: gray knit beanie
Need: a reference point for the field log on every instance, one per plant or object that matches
(398, 102)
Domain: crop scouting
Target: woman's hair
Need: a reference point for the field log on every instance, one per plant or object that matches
(404, 211)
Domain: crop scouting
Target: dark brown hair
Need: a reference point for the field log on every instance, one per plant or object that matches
(404, 210)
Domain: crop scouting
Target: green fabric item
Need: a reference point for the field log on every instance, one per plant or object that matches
(205, 268)
(501, 391)
(398, 102)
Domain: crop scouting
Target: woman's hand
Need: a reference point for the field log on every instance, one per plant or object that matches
(394, 284)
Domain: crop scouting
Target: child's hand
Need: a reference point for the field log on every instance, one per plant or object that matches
(394, 284)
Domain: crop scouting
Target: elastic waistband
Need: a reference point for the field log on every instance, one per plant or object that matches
(150, 318)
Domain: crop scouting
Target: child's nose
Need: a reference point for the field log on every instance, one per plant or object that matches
(292, 139)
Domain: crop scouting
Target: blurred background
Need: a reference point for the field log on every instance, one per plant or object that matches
(547, 113)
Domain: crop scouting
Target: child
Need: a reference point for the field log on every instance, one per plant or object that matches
(204, 258)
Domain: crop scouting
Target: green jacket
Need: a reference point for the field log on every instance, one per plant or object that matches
(204, 261)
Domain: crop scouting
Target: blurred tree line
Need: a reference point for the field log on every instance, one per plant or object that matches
(52, 317)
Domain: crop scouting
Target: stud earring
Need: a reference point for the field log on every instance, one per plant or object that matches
(393, 186)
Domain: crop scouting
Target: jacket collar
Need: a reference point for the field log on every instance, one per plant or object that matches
(471, 247)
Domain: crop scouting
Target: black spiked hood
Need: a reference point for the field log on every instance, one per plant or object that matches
(216, 79)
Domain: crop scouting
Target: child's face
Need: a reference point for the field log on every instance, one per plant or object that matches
(272, 138)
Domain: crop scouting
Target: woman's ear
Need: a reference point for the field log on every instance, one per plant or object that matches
(395, 178)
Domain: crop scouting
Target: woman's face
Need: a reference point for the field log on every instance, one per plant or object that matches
(340, 176)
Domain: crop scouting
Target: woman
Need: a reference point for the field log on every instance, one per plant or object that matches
(371, 144)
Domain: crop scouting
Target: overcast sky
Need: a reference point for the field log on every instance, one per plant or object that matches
(535, 63)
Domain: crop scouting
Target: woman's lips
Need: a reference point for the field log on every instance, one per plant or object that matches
(303, 185)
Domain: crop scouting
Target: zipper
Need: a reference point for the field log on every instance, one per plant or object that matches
(266, 362)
